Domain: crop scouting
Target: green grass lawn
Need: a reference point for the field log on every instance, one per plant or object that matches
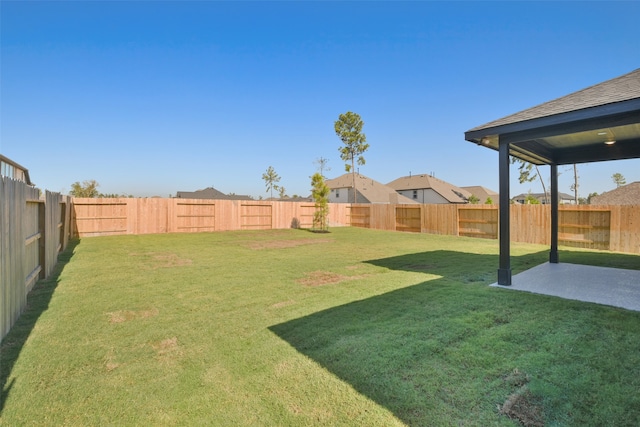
(292, 328)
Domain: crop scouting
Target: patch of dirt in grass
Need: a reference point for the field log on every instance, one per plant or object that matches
(168, 349)
(320, 278)
(110, 363)
(283, 244)
(122, 316)
(522, 405)
(282, 304)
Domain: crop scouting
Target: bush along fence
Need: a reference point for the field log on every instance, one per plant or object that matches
(33, 231)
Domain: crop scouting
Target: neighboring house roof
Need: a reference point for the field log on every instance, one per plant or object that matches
(540, 196)
(482, 193)
(626, 195)
(371, 190)
(296, 199)
(210, 193)
(449, 192)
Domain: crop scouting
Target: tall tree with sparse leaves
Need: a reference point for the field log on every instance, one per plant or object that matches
(618, 179)
(348, 127)
(271, 179)
(88, 188)
(526, 174)
(320, 193)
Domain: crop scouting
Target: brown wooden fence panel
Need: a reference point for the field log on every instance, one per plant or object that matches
(19, 245)
(408, 218)
(193, 215)
(625, 228)
(151, 215)
(587, 227)
(478, 221)
(101, 217)
(255, 216)
(530, 223)
(32, 234)
(339, 214)
(440, 219)
(305, 217)
(359, 215)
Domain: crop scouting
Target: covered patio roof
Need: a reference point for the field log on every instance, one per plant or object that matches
(599, 123)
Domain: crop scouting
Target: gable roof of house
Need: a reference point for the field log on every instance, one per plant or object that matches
(482, 193)
(449, 192)
(370, 189)
(625, 195)
(210, 193)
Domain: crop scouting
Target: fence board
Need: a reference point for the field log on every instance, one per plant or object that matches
(440, 219)
(20, 254)
(360, 216)
(255, 216)
(409, 218)
(625, 228)
(478, 221)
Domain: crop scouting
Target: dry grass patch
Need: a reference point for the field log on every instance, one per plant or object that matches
(320, 278)
(168, 349)
(522, 405)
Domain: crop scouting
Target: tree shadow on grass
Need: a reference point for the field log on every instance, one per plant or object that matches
(435, 353)
(37, 303)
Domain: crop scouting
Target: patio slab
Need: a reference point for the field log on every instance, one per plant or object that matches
(601, 285)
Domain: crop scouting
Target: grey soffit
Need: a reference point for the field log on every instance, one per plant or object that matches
(574, 128)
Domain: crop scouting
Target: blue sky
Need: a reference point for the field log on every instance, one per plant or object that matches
(151, 98)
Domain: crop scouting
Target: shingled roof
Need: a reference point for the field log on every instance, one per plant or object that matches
(626, 195)
(621, 88)
(210, 193)
(573, 128)
(449, 192)
(369, 189)
(482, 193)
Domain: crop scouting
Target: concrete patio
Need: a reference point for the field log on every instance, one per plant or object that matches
(601, 285)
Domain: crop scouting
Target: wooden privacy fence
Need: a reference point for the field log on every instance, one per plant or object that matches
(102, 217)
(33, 230)
(615, 228)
